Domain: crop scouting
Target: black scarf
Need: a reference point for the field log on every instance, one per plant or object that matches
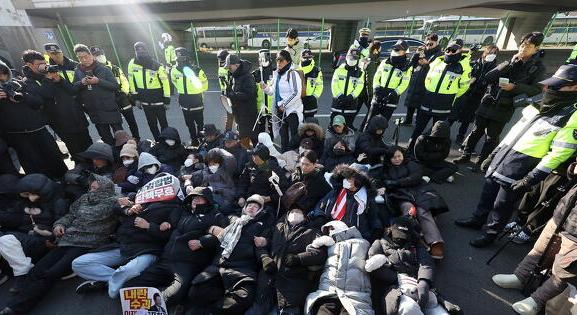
(284, 69)
(146, 62)
(553, 99)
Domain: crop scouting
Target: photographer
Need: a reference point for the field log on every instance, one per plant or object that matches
(22, 121)
(509, 83)
(97, 86)
(65, 114)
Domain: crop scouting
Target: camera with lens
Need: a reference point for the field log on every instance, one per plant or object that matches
(48, 68)
(12, 89)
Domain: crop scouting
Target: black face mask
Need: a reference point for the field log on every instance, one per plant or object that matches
(182, 60)
(202, 208)
(398, 60)
(364, 41)
(451, 59)
(339, 152)
(554, 96)
(306, 62)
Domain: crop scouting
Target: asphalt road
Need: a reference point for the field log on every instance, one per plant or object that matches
(462, 277)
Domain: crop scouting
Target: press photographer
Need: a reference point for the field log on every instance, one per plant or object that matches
(22, 118)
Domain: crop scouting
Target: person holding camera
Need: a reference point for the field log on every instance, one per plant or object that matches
(510, 84)
(22, 118)
(96, 87)
(65, 113)
(537, 144)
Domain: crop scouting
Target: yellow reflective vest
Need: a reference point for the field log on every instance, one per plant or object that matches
(120, 77)
(390, 77)
(170, 55)
(355, 85)
(573, 56)
(224, 78)
(443, 83)
(141, 79)
(314, 80)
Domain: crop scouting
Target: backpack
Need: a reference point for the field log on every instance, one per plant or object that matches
(301, 74)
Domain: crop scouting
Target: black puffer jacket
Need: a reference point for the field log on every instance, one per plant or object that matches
(316, 185)
(405, 183)
(172, 156)
(434, 148)
(498, 104)
(254, 179)
(371, 143)
(134, 241)
(52, 204)
(293, 284)
(243, 96)
(416, 89)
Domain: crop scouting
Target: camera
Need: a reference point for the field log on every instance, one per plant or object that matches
(12, 89)
(48, 68)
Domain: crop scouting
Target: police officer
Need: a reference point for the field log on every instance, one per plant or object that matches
(573, 56)
(190, 82)
(225, 83)
(544, 138)
(522, 75)
(446, 80)
(370, 69)
(264, 101)
(420, 60)
(362, 44)
(391, 80)
(150, 88)
(314, 83)
(347, 84)
(123, 98)
(168, 48)
(65, 114)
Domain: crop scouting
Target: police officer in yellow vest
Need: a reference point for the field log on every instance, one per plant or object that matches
(225, 83)
(573, 56)
(314, 83)
(544, 138)
(190, 82)
(168, 49)
(150, 88)
(346, 85)
(65, 114)
(391, 81)
(446, 80)
(263, 101)
(123, 98)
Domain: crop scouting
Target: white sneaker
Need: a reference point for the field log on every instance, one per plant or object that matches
(426, 178)
(508, 281)
(450, 179)
(527, 306)
(521, 238)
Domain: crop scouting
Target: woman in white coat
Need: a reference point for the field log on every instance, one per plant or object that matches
(286, 87)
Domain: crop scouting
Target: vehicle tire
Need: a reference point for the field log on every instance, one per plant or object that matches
(488, 40)
(265, 44)
(232, 46)
(204, 45)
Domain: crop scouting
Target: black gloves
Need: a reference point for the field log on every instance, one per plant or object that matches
(522, 185)
(380, 92)
(485, 164)
(292, 260)
(393, 97)
(268, 265)
(423, 292)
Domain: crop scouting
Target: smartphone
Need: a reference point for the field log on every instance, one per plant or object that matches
(503, 81)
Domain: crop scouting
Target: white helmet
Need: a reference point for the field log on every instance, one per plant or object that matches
(166, 37)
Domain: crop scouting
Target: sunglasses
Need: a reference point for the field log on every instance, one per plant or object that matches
(452, 50)
(429, 44)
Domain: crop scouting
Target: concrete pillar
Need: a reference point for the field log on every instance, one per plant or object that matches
(342, 34)
(513, 29)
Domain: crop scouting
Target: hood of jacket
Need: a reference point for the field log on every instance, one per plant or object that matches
(243, 69)
(38, 184)
(98, 150)
(9, 70)
(147, 159)
(343, 171)
(441, 129)
(170, 133)
(377, 122)
(105, 189)
(319, 132)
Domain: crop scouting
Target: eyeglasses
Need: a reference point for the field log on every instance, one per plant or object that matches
(429, 44)
(278, 59)
(452, 50)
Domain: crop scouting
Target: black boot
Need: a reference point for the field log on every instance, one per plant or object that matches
(472, 223)
(483, 240)
(464, 158)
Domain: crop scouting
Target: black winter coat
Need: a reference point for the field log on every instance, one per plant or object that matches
(254, 179)
(416, 89)
(172, 156)
(293, 284)
(405, 183)
(434, 148)
(243, 97)
(242, 157)
(331, 160)
(371, 143)
(100, 101)
(134, 241)
(498, 104)
(316, 185)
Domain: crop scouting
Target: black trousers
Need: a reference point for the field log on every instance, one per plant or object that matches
(329, 306)
(421, 122)
(491, 128)
(173, 277)
(38, 153)
(364, 100)
(55, 265)
(409, 116)
(106, 132)
(131, 121)
(155, 115)
(194, 120)
(496, 205)
(211, 297)
(310, 106)
(76, 142)
(439, 171)
(289, 130)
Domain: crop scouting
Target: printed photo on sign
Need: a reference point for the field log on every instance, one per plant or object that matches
(142, 301)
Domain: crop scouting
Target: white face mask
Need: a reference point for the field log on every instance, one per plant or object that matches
(188, 162)
(295, 218)
(395, 53)
(301, 150)
(170, 142)
(351, 62)
(213, 168)
(346, 184)
(490, 57)
(127, 163)
(101, 59)
(151, 170)
(263, 61)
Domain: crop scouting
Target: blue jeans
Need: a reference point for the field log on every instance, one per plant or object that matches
(99, 267)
